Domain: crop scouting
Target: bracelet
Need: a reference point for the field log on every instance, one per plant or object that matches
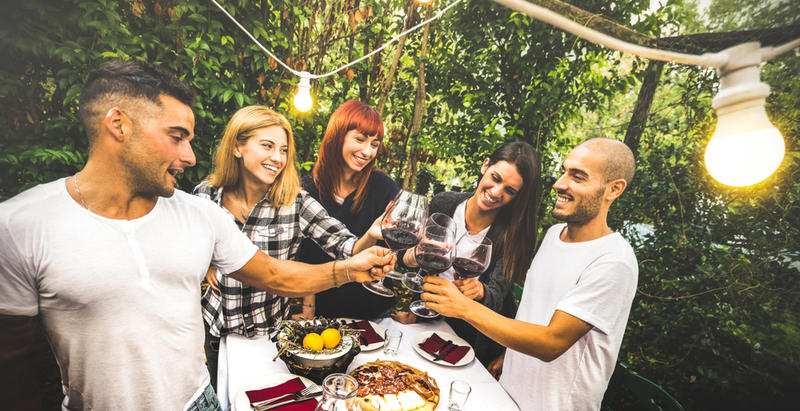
(333, 274)
(308, 305)
(347, 269)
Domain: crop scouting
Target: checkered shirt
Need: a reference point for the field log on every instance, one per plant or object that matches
(240, 309)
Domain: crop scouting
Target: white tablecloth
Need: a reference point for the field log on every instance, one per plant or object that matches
(243, 359)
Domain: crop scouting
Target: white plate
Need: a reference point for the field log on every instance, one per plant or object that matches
(421, 337)
(378, 330)
(242, 403)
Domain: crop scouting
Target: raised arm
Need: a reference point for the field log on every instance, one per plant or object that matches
(543, 342)
(295, 279)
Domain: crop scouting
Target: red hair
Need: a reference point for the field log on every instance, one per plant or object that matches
(352, 115)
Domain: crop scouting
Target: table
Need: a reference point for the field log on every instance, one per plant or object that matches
(242, 359)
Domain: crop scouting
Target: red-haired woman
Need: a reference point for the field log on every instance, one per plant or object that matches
(347, 184)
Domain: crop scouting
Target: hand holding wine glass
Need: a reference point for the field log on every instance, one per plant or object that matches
(401, 228)
(434, 254)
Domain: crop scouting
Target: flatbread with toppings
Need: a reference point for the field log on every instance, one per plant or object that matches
(396, 386)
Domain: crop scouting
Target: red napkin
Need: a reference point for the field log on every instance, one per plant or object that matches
(368, 333)
(288, 387)
(434, 344)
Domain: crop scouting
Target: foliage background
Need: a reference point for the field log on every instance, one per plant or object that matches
(715, 320)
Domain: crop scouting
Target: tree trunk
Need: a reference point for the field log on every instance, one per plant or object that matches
(646, 93)
(387, 83)
(419, 110)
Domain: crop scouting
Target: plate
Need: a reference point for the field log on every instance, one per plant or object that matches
(421, 337)
(242, 403)
(378, 330)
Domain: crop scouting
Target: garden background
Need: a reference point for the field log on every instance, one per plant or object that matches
(716, 319)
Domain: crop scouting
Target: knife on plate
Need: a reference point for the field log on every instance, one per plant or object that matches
(444, 350)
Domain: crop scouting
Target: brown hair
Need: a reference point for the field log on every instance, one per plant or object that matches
(514, 229)
(352, 115)
(242, 127)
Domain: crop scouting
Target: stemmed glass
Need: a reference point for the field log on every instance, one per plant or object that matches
(472, 256)
(401, 228)
(434, 254)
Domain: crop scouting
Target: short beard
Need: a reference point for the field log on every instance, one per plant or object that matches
(142, 176)
(585, 211)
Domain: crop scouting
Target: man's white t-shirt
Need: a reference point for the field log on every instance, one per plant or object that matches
(594, 281)
(119, 299)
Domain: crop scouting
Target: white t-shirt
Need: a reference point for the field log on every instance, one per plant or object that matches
(594, 281)
(460, 221)
(119, 299)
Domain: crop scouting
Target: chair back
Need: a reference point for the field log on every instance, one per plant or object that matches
(649, 395)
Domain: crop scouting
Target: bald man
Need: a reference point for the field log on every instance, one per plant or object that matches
(563, 344)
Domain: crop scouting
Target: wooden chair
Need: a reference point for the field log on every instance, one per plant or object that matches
(648, 395)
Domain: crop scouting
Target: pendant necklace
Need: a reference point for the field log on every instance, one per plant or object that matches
(78, 189)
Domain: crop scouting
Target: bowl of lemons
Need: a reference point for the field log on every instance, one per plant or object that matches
(318, 347)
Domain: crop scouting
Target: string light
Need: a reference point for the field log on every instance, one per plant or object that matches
(302, 100)
(308, 76)
(745, 148)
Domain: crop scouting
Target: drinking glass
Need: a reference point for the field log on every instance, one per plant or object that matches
(459, 392)
(338, 393)
(391, 341)
(434, 254)
(472, 256)
(401, 228)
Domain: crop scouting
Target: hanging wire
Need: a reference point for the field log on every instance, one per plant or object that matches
(318, 76)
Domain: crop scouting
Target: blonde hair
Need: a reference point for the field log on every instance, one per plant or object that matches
(242, 127)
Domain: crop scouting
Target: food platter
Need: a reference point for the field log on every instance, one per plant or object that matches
(395, 386)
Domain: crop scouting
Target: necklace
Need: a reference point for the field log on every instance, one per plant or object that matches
(78, 189)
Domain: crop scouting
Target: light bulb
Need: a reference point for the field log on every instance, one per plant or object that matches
(302, 100)
(745, 147)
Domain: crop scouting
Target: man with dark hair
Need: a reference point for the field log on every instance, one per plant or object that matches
(112, 257)
(563, 344)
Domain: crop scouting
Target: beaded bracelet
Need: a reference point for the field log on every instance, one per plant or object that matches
(333, 274)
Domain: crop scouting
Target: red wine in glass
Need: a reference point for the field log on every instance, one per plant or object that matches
(434, 254)
(433, 260)
(401, 228)
(401, 236)
(467, 267)
(472, 256)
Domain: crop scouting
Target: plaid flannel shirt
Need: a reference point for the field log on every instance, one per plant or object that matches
(240, 309)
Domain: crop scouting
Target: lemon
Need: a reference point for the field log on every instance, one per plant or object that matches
(331, 337)
(312, 341)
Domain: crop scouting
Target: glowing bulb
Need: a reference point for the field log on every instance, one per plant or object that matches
(745, 148)
(302, 100)
(743, 159)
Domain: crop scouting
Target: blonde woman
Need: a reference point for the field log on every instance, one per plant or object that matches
(255, 180)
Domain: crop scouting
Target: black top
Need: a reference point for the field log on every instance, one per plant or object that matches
(352, 299)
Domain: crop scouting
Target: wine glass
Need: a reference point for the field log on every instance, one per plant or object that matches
(401, 228)
(472, 256)
(434, 254)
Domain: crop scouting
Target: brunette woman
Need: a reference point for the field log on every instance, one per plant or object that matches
(255, 180)
(503, 208)
(347, 184)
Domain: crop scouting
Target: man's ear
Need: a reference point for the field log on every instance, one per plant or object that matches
(118, 124)
(615, 189)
